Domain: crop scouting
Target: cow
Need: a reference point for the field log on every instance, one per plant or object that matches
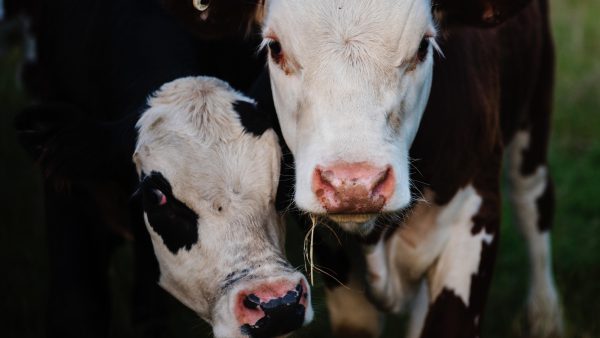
(469, 94)
(209, 168)
(88, 73)
(398, 115)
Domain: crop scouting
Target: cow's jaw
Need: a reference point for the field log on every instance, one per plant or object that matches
(350, 89)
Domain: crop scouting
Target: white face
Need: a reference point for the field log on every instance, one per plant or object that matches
(350, 82)
(208, 189)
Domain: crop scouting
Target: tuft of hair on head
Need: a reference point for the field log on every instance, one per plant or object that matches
(198, 106)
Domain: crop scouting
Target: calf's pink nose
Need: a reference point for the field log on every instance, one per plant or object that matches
(350, 188)
(272, 309)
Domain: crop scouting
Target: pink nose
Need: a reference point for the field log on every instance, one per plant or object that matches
(272, 309)
(351, 188)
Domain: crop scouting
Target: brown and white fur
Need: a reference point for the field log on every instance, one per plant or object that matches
(361, 96)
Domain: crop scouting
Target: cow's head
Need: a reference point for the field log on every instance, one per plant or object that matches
(350, 82)
(209, 167)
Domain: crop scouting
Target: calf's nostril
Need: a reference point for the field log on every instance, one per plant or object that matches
(251, 302)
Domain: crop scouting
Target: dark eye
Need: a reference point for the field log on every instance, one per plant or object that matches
(423, 49)
(275, 50)
(153, 197)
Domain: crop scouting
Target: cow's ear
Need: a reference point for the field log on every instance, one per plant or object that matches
(253, 120)
(216, 19)
(485, 13)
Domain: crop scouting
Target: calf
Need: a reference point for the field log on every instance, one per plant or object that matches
(209, 168)
(397, 114)
(89, 71)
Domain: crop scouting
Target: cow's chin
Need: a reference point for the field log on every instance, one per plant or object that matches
(360, 224)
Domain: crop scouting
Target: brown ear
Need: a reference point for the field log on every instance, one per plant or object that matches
(214, 19)
(478, 12)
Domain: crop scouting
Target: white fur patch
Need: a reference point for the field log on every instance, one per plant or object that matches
(544, 312)
(460, 259)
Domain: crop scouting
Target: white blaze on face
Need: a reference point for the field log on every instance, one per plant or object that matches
(350, 82)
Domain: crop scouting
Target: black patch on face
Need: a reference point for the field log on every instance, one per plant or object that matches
(252, 119)
(174, 221)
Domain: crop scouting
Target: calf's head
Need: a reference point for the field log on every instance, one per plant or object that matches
(350, 83)
(209, 168)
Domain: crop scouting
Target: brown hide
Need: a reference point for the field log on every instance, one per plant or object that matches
(222, 18)
(478, 12)
(482, 92)
(490, 83)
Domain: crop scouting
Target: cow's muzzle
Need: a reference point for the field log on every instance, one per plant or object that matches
(272, 310)
(353, 188)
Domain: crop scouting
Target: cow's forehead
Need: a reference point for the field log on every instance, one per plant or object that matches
(205, 138)
(380, 30)
(213, 173)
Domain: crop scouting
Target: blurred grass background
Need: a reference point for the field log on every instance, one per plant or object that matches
(574, 161)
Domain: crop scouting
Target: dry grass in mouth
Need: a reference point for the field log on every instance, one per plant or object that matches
(308, 249)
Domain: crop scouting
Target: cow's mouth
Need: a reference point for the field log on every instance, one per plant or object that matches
(351, 218)
(361, 224)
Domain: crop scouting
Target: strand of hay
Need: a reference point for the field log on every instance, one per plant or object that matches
(308, 249)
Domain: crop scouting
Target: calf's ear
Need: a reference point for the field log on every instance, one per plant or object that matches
(483, 13)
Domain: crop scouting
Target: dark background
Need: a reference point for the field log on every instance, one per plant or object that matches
(574, 161)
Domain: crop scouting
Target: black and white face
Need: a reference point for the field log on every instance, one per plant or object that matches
(350, 82)
(209, 170)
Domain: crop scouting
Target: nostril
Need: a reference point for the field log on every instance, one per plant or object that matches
(324, 178)
(251, 302)
(273, 309)
(380, 179)
(384, 184)
(327, 176)
(293, 296)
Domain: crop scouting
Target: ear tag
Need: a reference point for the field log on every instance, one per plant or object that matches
(201, 5)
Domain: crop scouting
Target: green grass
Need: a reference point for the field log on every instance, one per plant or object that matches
(574, 161)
